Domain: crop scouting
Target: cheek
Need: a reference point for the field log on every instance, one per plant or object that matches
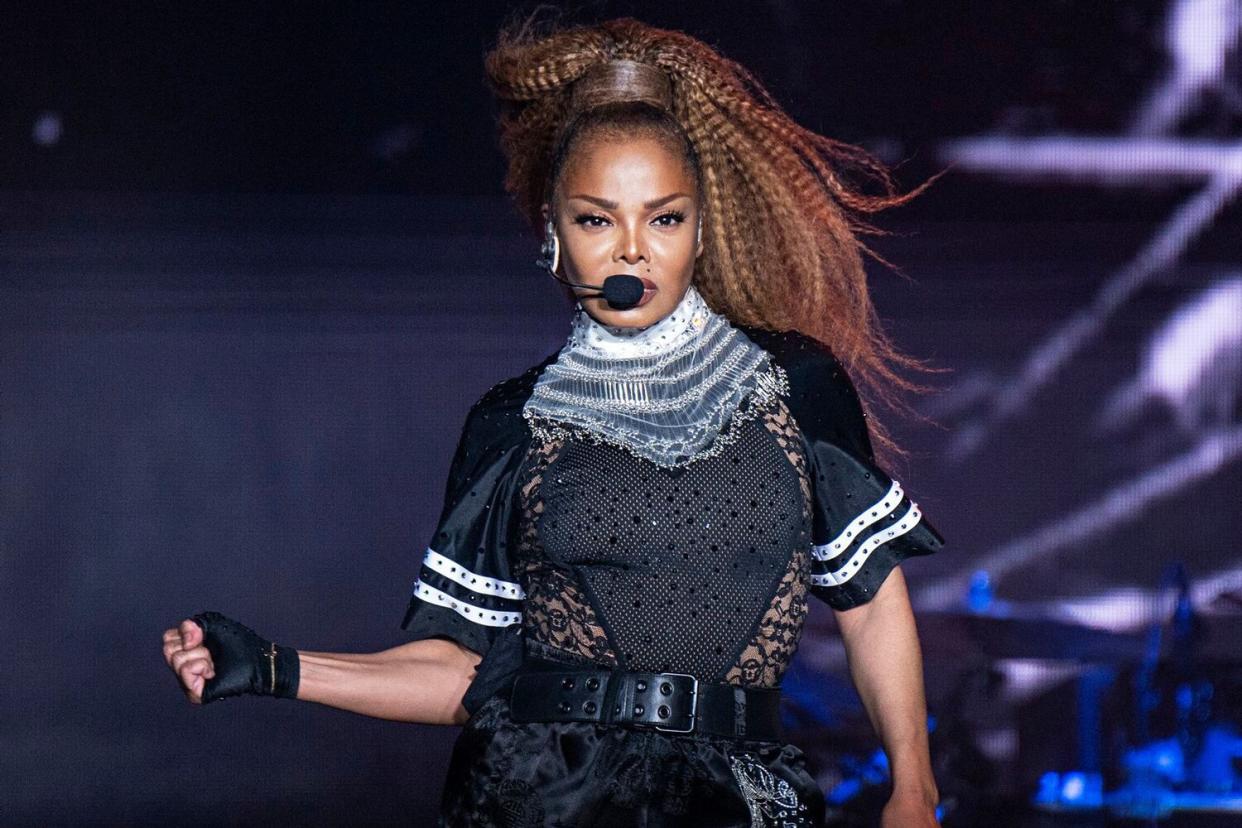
(582, 247)
(678, 251)
(671, 244)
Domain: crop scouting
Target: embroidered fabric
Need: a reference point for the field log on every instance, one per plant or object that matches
(668, 392)
(772, 800)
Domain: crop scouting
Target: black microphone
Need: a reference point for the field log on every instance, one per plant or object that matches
(623, 291)
(620, 290)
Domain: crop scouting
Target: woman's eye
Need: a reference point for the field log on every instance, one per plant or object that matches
(589, 220)
(665, 220)
(674, 218)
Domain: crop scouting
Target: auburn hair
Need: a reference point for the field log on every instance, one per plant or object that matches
(782, 219)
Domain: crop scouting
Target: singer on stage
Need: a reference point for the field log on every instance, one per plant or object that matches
(635, 528)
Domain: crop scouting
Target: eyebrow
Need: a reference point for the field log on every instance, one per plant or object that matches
(612, 205)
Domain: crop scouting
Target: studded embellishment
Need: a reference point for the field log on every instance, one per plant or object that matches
(491, 602)
(908, 521)
(772, 801)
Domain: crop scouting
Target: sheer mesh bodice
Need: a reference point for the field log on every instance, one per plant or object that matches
(701, 569)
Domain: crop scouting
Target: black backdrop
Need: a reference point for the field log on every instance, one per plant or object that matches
(255, 266)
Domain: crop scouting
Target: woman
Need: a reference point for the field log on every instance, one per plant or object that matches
(633, 529)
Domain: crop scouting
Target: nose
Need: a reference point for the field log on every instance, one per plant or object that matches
(632, 248)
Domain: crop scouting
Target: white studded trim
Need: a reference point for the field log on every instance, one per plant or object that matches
(877, 510)
(454, 571)
(850, 568)
(479, 615)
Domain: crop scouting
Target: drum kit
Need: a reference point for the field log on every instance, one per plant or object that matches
(1145, 728)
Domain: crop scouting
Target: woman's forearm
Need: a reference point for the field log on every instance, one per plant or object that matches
(886, 664)
(422, 681)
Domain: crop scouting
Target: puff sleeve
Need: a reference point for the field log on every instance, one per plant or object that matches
(864, 525)
(466, 589)
(864, 522)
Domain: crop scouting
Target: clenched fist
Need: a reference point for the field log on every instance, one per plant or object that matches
(215, 657)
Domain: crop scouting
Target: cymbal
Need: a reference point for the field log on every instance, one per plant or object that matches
(1035, 635)
(1030, 636)
(1033, 632)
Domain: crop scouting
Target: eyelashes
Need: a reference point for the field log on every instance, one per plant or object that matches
(586, 219)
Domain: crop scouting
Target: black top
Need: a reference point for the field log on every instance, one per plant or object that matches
(577, 550)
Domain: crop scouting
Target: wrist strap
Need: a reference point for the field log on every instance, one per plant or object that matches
(282, 672)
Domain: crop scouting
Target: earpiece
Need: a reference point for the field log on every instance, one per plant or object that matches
(698, 232)
(551, 249)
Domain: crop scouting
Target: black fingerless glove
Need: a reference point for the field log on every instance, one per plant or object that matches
(245, 663)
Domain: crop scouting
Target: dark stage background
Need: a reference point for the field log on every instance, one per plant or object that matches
(255, 265)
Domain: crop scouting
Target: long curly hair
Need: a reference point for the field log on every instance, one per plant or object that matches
(782, 219)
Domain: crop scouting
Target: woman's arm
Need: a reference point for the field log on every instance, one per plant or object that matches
(422, 681)
(886, 664)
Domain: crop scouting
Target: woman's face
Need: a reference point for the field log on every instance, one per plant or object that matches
(627, 207)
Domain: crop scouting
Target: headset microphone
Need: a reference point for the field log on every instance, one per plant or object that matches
(620, 290)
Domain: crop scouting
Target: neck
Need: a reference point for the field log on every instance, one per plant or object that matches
(680, 324)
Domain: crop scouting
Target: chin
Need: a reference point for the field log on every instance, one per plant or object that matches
(660, 306)
(632, 318)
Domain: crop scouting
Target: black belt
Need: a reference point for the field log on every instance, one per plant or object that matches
(546, 691)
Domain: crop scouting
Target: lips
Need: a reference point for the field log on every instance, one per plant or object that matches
(649, 290)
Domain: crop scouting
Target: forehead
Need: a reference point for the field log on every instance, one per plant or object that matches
(633, 163)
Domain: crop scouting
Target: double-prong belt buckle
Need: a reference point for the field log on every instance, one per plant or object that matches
(651, 703)
(661, 685)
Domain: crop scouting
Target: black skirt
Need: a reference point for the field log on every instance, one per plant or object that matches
(506, 774)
